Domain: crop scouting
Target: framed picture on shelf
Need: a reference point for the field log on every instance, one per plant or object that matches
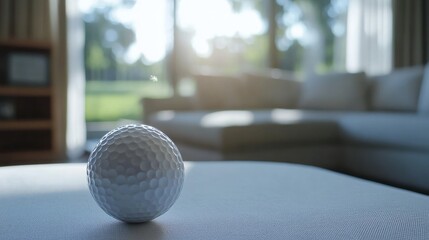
(24, 66)
(27, 68)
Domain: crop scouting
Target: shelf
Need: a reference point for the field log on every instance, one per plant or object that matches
(13, 43)
(27, 157)
(25, 91)
(10, 125)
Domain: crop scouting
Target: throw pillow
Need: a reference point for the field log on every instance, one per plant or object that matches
(218, 92)
(271, 89)
(397, 91)
(335, 91)
(424, 93)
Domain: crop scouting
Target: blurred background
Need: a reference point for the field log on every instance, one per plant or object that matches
(128, 41)
(104, 56)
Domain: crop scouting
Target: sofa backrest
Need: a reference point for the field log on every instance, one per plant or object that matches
(251, 90)
(335, 91)
(272, 88)
(402, 90)
(218, 91)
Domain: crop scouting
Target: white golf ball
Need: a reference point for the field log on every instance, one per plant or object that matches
(135, 173)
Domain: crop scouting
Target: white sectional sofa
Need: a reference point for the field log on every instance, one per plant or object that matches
(373, 127)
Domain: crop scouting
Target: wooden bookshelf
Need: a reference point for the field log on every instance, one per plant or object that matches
(27, 121)
(26, 157)
(33, 81)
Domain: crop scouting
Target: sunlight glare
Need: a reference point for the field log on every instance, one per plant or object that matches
(200, 44)
(150, 26)
(249, 23)
(208, 18)
(297, 31)
(133, 54)
(123, 16)
(147, 18)
(211, 19)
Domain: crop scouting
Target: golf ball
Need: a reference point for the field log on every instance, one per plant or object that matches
(135, 173)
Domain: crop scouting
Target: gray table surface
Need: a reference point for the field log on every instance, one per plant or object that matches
(220, 200)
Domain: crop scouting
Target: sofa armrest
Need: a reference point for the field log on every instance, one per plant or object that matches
(152, 105)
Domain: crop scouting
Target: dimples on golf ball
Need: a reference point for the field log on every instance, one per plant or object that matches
(135, 173)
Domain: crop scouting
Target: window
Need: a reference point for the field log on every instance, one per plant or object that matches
(125, 56)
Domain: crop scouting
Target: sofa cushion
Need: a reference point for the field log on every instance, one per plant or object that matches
(229, 130)
(399, 130)
(424, 93)
(271, 89)
(397, 91)
(218, 92)
(337, 91)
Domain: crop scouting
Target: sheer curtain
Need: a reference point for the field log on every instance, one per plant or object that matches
(76, 129)
(369, 36)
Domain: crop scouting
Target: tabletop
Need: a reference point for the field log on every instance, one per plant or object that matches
(219, 200)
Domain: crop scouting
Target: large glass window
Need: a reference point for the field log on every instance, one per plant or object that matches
(130, 42)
